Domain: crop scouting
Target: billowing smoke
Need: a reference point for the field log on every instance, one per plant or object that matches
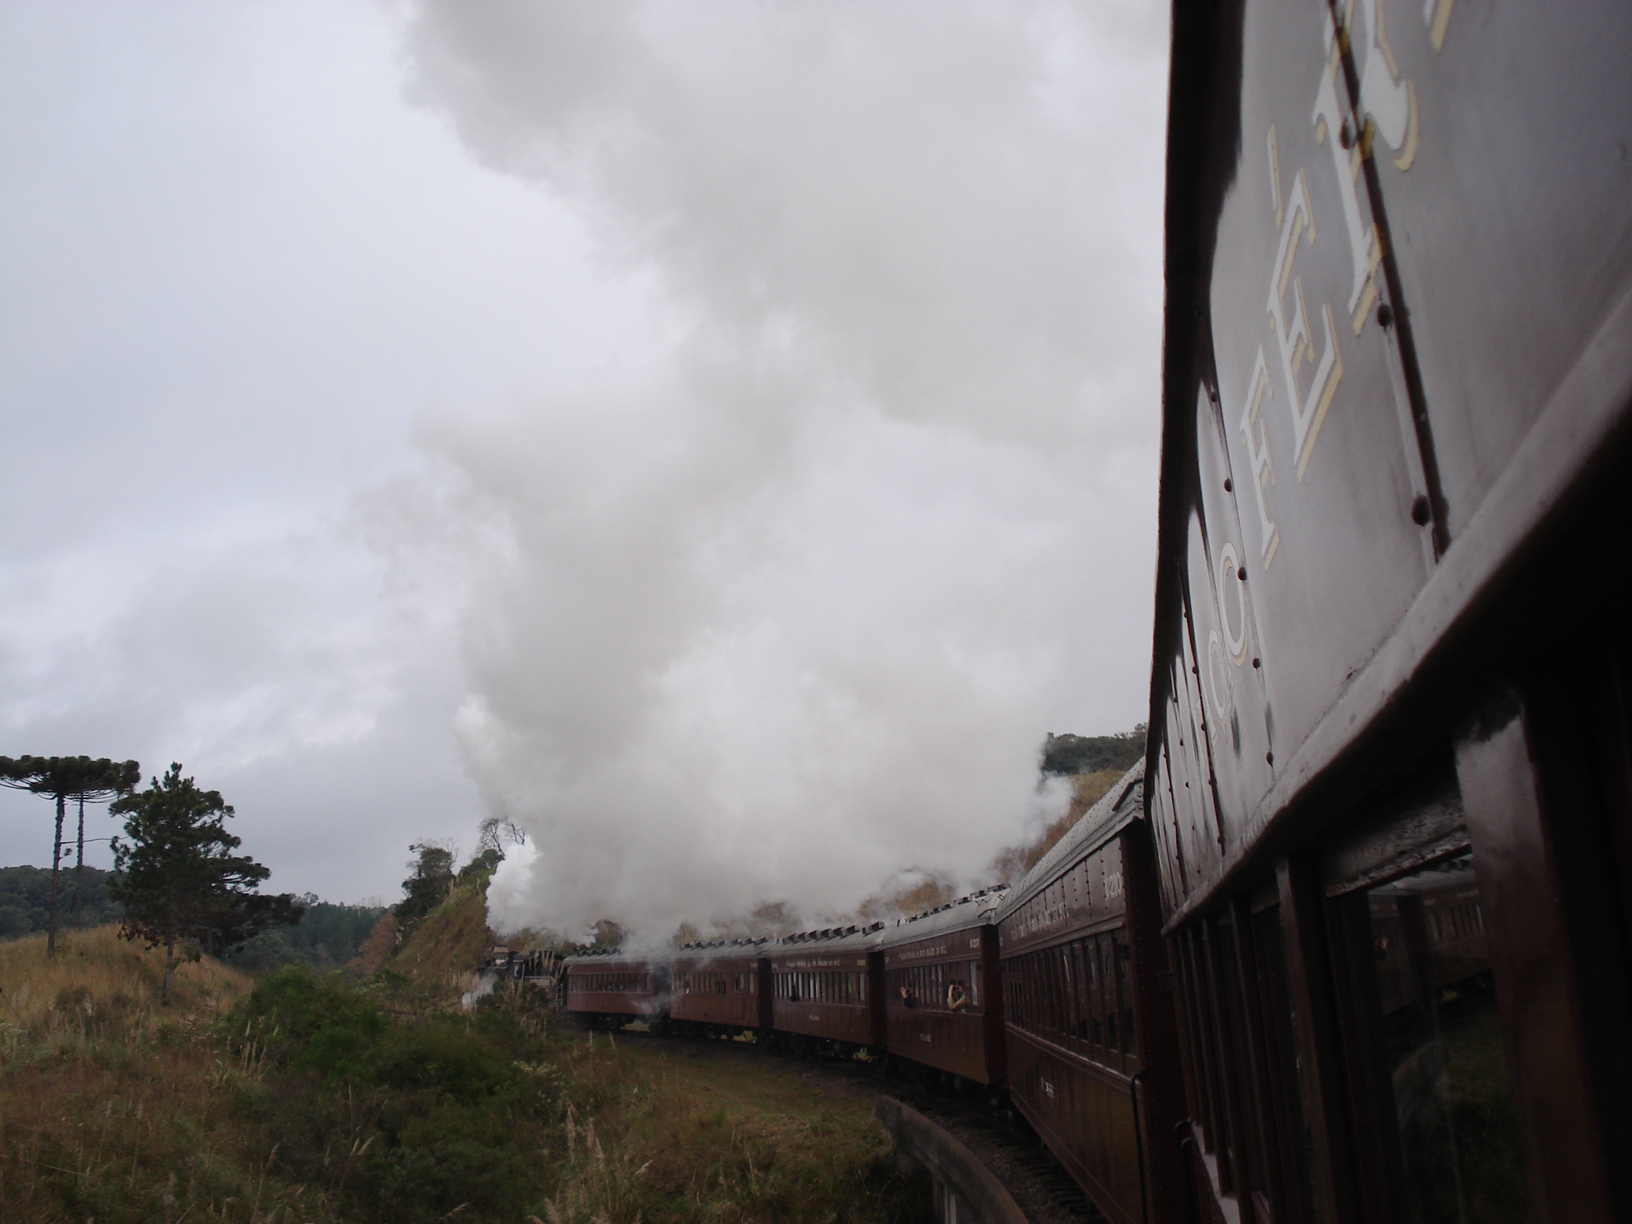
(781, 607)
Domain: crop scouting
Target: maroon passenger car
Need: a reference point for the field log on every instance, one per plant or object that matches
(718, 989)
(1082, 966)
(826, 990)
(608, 990)
(942, 1004)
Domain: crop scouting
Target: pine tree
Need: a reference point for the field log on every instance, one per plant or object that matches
(62, 779)
(183, 887)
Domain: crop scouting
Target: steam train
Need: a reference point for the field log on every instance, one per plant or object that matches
(1354, 944)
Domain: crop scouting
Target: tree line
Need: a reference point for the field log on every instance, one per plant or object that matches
(1082, 754)
(178, 880)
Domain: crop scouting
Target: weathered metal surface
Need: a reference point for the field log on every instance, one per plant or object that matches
(1398, 243)
(1506, 200)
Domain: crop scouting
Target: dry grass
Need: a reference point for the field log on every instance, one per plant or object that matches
(117, 1110)
(440, 952)
(689, 1136)
(377, 948)
(99, 983)
(115, 1107)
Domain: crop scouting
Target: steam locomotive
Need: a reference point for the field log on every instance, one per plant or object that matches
(1354, 944)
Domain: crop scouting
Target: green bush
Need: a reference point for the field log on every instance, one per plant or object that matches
(311, 1023)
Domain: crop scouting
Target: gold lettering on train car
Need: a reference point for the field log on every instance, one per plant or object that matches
(1275, 175)
(1294, 341)
(1389, 104)
(1256, 432)
(1365, 244)
(1228, 568)
(1437, 15)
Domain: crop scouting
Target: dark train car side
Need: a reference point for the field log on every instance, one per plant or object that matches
(608, 990)
(718, 989)
(1091, 1045)
(1389, 771)
(943, 1000)
(827, 990)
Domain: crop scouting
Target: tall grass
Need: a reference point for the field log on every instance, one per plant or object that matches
(98, 983)
(318, 1100)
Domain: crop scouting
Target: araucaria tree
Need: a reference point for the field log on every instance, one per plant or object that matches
(62, 779)
(183, 888)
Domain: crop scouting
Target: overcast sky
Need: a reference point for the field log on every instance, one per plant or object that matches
(719, 437)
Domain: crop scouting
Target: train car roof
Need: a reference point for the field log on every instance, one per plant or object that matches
(720, 950)
(608, 956)
(976, 909)
(1122, 804)
(840, 938)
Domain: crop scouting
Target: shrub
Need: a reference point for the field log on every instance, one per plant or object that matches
(312, 1023)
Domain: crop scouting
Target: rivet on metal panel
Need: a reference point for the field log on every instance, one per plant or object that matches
(1420, 513)
(1385, 314)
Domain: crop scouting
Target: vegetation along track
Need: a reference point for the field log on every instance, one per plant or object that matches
(1042, 1189)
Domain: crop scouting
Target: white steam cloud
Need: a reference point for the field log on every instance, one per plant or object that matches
(781, 608)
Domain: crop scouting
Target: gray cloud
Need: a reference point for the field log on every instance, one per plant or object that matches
(726, 431)
(786, 607)
(235, 262)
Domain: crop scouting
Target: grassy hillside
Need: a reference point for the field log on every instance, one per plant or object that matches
(320, 1100)
(440, 952)
(101, 985)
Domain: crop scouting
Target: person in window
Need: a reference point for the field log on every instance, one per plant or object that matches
(909, 996)
(957, 998)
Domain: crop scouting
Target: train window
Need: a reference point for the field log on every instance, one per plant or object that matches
(1293, 1144)
(1428, 989)
(1122, 954)
(1104, 995)
(1081, 1000)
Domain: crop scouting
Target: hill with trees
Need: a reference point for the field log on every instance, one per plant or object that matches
(1064, 755)
(25, 900)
